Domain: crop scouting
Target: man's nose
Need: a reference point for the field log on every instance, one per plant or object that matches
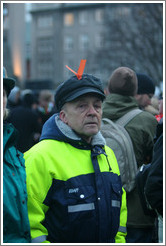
(91, 110)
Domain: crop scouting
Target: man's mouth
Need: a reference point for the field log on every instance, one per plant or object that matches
(91, 123)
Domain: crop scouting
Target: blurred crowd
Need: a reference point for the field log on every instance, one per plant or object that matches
(28, 113)
(75, 190)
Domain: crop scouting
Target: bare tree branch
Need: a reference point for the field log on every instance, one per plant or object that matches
(133, 37)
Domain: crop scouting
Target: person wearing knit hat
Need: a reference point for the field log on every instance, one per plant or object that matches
(146, 89)
(145, 84)
(122, 86)
(123, 81)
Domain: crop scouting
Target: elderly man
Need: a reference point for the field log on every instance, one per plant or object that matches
(74, 188)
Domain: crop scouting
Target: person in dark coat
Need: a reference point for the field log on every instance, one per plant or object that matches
(154, 184)
(26, 121)
(16, 227)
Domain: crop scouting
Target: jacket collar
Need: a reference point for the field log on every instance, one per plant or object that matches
(97, 139)
(115, 106)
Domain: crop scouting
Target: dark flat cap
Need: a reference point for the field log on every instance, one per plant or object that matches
(74, 88)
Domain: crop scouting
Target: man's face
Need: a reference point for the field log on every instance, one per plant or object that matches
(83, 115)
(144, 99)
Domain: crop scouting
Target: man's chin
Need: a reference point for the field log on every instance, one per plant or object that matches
(87, 136)
(92, 133)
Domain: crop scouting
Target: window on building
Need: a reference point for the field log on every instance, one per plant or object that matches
(45, 21)
(83, 17)
(99, 15)
(45, 46)
(84, 42)
(122, 12)
(99, 40)
(45, 69)
(68, 43)
(68, 19)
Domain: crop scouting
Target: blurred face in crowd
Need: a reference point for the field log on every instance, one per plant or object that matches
(144, 99)
(4, 102)
(45, 98)
(83, 115)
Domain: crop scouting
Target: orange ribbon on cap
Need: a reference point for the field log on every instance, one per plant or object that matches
(80, 69)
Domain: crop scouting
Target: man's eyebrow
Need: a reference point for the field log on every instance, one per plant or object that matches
(81, 100)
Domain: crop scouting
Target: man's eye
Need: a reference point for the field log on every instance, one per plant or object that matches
(97, 106)
(81, 105)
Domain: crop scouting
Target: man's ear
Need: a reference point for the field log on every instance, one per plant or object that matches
(62, 116)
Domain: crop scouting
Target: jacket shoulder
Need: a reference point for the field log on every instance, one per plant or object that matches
(145, 121)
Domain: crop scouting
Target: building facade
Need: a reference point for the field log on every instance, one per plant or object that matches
(63, 34)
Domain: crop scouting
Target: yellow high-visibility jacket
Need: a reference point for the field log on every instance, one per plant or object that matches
(74, 189)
